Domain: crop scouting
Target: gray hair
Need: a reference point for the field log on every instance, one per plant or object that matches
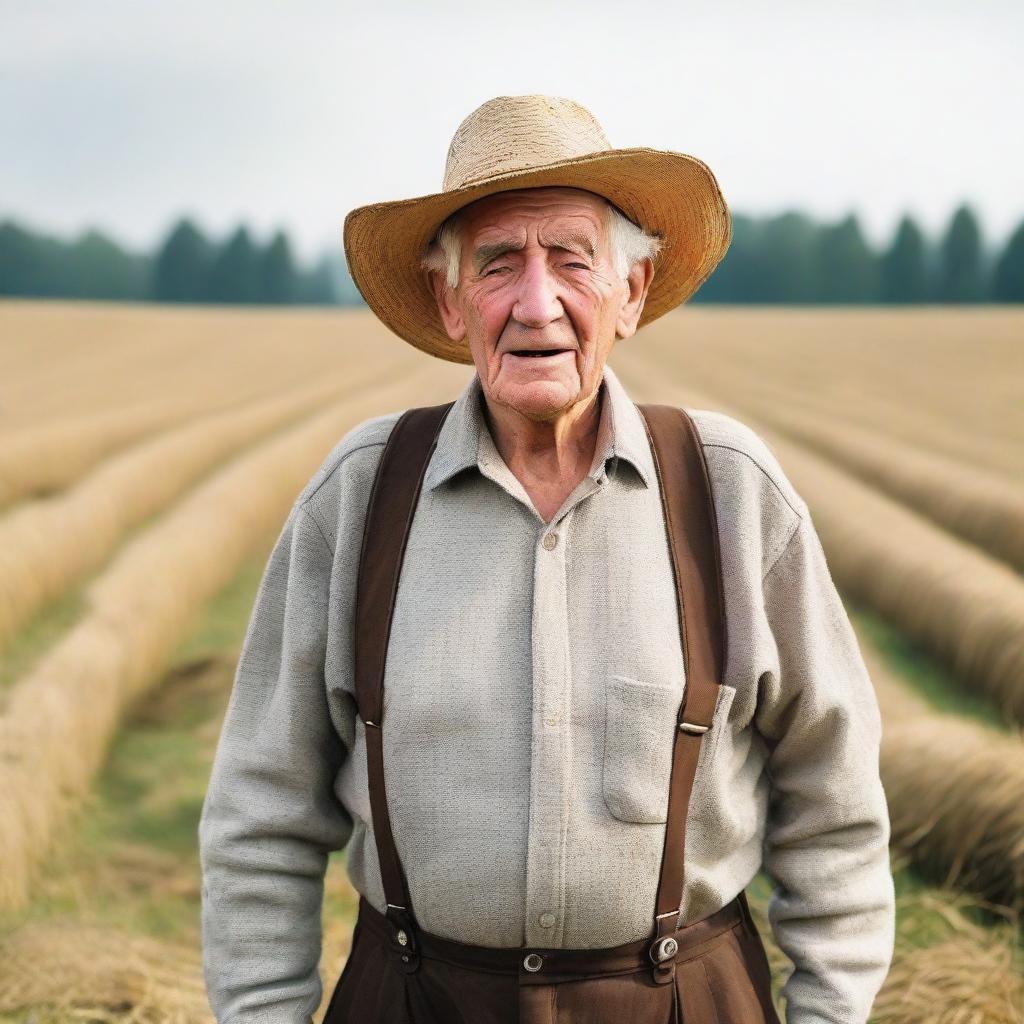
(629, 244)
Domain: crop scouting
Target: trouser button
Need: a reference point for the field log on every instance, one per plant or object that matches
(664, 949)
(533, 962)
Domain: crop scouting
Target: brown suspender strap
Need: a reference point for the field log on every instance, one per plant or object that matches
(692, 529)
(392, 504)
(693, 543)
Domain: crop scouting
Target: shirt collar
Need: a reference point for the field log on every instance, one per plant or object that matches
(465, 441)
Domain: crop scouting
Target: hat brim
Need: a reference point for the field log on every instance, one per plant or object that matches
(672, 195)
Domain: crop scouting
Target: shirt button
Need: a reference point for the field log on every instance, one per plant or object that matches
(549, 541)
(547, 920)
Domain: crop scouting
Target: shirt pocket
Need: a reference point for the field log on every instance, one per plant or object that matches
(639, 730)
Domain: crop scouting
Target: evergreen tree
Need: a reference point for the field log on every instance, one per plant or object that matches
(277, 277)
(234, 275)
(23, 269)
(93, 267)
(785, 260)
(845, 268)
(736, 278)
(1008, 278)
(98, 268)
(903, 270)
(317, 287)
(959, 270)
(181, 270)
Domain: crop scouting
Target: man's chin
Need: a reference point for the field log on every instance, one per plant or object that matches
(541, 399)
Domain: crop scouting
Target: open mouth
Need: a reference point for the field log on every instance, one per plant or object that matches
(538, 354)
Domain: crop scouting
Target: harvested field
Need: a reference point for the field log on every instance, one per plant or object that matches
(955, 787)
(148, 458)
(979, 505)
(964, 606)
(946, 380)
(56, 723)
(48, 545)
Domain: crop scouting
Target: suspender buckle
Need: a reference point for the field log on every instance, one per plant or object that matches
(693, 728)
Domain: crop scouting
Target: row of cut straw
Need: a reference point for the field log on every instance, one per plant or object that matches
(57, 721)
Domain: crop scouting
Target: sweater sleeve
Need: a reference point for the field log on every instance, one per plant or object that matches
(270, 816)
(826, 842)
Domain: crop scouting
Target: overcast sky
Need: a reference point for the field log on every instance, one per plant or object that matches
(125, 115)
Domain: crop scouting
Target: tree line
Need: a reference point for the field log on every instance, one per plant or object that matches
(794, 259)
(187, 266)
(790, 258)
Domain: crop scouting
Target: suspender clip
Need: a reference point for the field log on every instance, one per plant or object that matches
(405, 945)
(664, 947)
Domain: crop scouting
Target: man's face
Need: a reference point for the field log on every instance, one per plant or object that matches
(539, 301)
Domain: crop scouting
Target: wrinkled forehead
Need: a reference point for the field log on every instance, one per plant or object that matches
(511, 212)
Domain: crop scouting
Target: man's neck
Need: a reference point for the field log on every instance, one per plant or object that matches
(548, 458)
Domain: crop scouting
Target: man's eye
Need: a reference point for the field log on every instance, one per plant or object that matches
(578, 266)
(493, 270)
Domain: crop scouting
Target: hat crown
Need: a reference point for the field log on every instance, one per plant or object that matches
(515, 133)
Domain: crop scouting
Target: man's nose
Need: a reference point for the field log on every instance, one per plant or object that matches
(537, 303)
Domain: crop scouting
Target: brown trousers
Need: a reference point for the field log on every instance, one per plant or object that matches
(721, 977)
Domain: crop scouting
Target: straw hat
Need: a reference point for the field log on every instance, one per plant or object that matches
(514, 142)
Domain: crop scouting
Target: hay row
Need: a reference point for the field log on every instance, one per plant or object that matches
(79, 381)
(958, 603)
(73, 360)
(58, 720)
(854, 377)
(955, 790)
(48, 457)
(943, 434)
(48, 545)
(971, 975)
(956, 803)
(897, 418)
(936, 363)
(951, 434)
(39, 460)
(65, 970)
(983, 507)
(967, 979)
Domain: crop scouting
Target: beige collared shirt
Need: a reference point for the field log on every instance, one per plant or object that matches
(533, 677)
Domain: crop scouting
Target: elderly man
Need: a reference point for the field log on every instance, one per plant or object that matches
(562, 672)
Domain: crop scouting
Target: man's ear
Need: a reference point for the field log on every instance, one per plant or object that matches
(638, 281)
(451, 314)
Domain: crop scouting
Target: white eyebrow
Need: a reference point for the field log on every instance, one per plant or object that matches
(483, 254)
(573, 241)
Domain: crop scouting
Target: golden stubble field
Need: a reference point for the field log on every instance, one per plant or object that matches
(148, 457)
